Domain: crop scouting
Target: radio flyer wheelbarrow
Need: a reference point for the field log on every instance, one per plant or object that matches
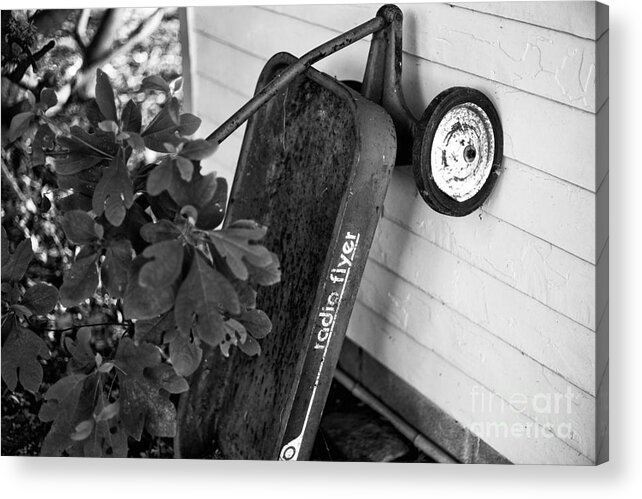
(315, 164)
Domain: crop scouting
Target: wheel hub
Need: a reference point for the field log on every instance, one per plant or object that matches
(462, 151)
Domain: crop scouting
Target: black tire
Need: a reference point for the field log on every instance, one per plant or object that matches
(422, 167)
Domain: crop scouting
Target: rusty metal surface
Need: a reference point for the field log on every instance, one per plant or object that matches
(314, 167)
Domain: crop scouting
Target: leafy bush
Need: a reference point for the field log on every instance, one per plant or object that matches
(146, 248)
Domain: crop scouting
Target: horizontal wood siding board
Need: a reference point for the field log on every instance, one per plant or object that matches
(553, 339)
(546, 135)
(503, 369)
(602, 74)
(422, 414)
(547, 207)
(531, 58)
(602, 217)
(564, 145)
(228, 65)
(453, 391)
(530, 264)
(466, 344)
(602, 426)
(579, 18)
(602, 284)
(601, 349)
(419, 313)
(602, 144)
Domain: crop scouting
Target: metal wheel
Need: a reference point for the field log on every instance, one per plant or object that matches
(457, 151)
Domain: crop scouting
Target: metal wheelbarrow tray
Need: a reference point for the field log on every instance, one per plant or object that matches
(314, 168)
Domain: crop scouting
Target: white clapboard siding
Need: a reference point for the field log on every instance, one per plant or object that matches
(565, 136)
(541, 61)
(530, 264)
(602, 347)
(602, 430)
(513, 299)
(453, 391)
(547, 207)
(602, 284)
(533, 328)
(602, 216)
(479, 354)
(582, 18)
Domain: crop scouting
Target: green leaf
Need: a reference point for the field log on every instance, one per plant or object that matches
(167, 127)
(235, 332)
(131, 119)
(105, 96)
(197, 150)
(106, 440)
(80, 281)
(156, 330)
(251, 347)
(256, 322)
(142, 404)
(83, 183)
(162, 230)
(79, 227)
(185, 167)
(75, 201)
(165, 265)
(5, 248)
(114, 193)
(108, 126)
(199, 191)
(212, 213)
(235, 245)
(176, 84)
(185, 355)
(155, 82)
(48, 98)
(84, 150)
(43, 141)
(108, 412)
(246, 294)
(142, 303)
(115, 268)
(16, 266)
(40, 298)
(83, 430)
(20, 124)
(62, 398)
(20, 353)
(82, 355)
(189, 124)
(160, 178)
(166, 377)
(135, 141)
(266, 276)
(203, 293)
(70, 404)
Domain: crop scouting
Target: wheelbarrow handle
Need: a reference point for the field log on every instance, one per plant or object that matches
(384, 18)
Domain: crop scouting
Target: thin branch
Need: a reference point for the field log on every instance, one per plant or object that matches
(144, 29)
(14, 183)
(80, 33)
(78, 326)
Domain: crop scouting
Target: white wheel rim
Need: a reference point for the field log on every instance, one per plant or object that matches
(462, 151)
